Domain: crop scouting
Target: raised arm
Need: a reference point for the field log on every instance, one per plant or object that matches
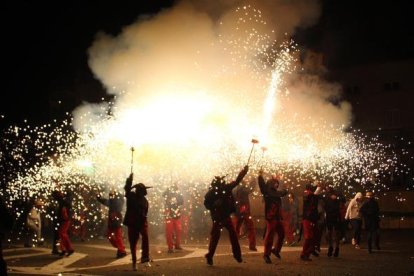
(128, 184)
(240, 177)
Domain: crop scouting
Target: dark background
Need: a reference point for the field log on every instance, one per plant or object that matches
(45, 46)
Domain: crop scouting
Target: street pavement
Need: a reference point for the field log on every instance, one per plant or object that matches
(97, 257)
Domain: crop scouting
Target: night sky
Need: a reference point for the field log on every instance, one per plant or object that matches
(46, 45)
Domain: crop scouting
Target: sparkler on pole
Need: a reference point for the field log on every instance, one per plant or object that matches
(254, 142)
(263, 152)
(132, 159)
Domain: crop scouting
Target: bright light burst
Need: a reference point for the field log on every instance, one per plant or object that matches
(187, 138)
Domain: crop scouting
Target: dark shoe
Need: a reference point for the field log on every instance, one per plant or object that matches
(305, 258)
(239, 259)
(267, 259)
(120, 255)
(330, 250)
(55, 252)
(274, 252)
(134, 266)
(170, 251)
(145, 260)
(209, 259)
(179, 248)
(316, 254)
(70, 252)
(252, 248)
(369, 250)
(27, 245)
(61, 254)
(336, 253)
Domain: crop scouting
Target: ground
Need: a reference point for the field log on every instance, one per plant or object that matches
(96, 257)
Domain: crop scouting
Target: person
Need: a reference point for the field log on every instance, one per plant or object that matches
(370, 213)
(354, 215)
(290, 218)
(243, 215)
(220, 202)
(310, 218)
(6, 225)
(115, 204)
(333, 221)
(136, 219)
(63, 219)
(34, 224)
(320, 227)
(273, 216)
(173, 228)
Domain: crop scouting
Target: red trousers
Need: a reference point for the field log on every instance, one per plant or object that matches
(215, 236)
(173, 229)
(65, 244)
(133, 237)
(251, 232)
(309, 234)
(287, 226)
(273, 226)
(114, 236)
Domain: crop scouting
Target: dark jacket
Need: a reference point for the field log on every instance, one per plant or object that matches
(370, 213)
(332, 208)
(310, 208)
(219, 199)
(137, 206)
(115, 204)
(272, 198)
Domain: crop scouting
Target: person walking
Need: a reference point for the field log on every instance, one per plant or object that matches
(136, 219)
(273, 216)
(220, 202)
(354, 215)
(115, 204)
(63, 218)
(333, 221)
(370, 212)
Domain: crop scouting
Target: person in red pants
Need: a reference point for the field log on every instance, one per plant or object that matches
(310, 218)
(273, 216)
(243, 215)
(136, 219)
(115, 203)
(219, 200)
(173, 202)
(63, 218)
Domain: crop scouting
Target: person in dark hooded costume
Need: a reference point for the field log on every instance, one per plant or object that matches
(273, 216)
(136, 219)
(219, 200)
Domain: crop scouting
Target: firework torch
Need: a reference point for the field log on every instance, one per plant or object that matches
(132, 158)
(263, 152)
(254, 142)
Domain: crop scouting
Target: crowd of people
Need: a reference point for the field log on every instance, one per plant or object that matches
(325, 213)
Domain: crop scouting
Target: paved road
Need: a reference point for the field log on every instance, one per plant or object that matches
(98, 258)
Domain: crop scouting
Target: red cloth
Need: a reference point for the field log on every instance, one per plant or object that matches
(251, 232)
(287, 226)
(173, 229)
(65, 244)
(309, 234)
(273, 226)
(114, 236)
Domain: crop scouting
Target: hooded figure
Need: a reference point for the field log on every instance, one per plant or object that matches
(354, 215)
(219, 200)
(273, 215)
(370, 212)
(136, 219)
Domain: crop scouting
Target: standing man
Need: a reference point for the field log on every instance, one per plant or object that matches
(63, 218)
(370, 213)
(241, 195)
(115, 203)
(333, 221)
(273, 216)
(219, 200)
(310, 218)
(354, 215)
(136, 219)
(173, 202)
